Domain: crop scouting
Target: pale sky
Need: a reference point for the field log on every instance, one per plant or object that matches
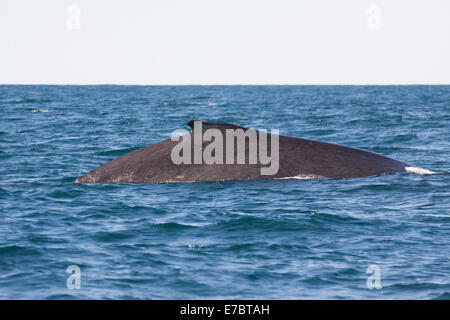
(224, 42)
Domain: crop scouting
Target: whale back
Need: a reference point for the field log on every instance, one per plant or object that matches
(298, 158)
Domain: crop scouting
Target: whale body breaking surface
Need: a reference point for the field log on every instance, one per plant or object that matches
(297, 159)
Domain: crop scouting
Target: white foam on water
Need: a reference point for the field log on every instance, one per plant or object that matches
(303, 177)
(418, 170)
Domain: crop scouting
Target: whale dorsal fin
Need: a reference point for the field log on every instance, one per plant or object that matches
(210, 125)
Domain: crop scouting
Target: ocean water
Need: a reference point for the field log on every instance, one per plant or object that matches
(267, 239)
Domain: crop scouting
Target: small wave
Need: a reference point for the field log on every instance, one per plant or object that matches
(173, 225)
(181, 103)
(418, 170)
(15, 250)
(109, 236)
(196, 246)
(41, 110)
(444, 296)
(29, 100)
(4, 193)
(303, 177)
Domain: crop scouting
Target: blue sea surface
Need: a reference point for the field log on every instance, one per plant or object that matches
(265, 239)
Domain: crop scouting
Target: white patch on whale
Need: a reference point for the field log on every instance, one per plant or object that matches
(418, 170)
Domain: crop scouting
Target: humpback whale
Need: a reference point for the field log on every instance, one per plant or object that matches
(297, 158)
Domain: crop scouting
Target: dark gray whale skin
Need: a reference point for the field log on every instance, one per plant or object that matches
(298, 158)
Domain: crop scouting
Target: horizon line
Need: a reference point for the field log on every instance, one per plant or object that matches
(224, 84)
